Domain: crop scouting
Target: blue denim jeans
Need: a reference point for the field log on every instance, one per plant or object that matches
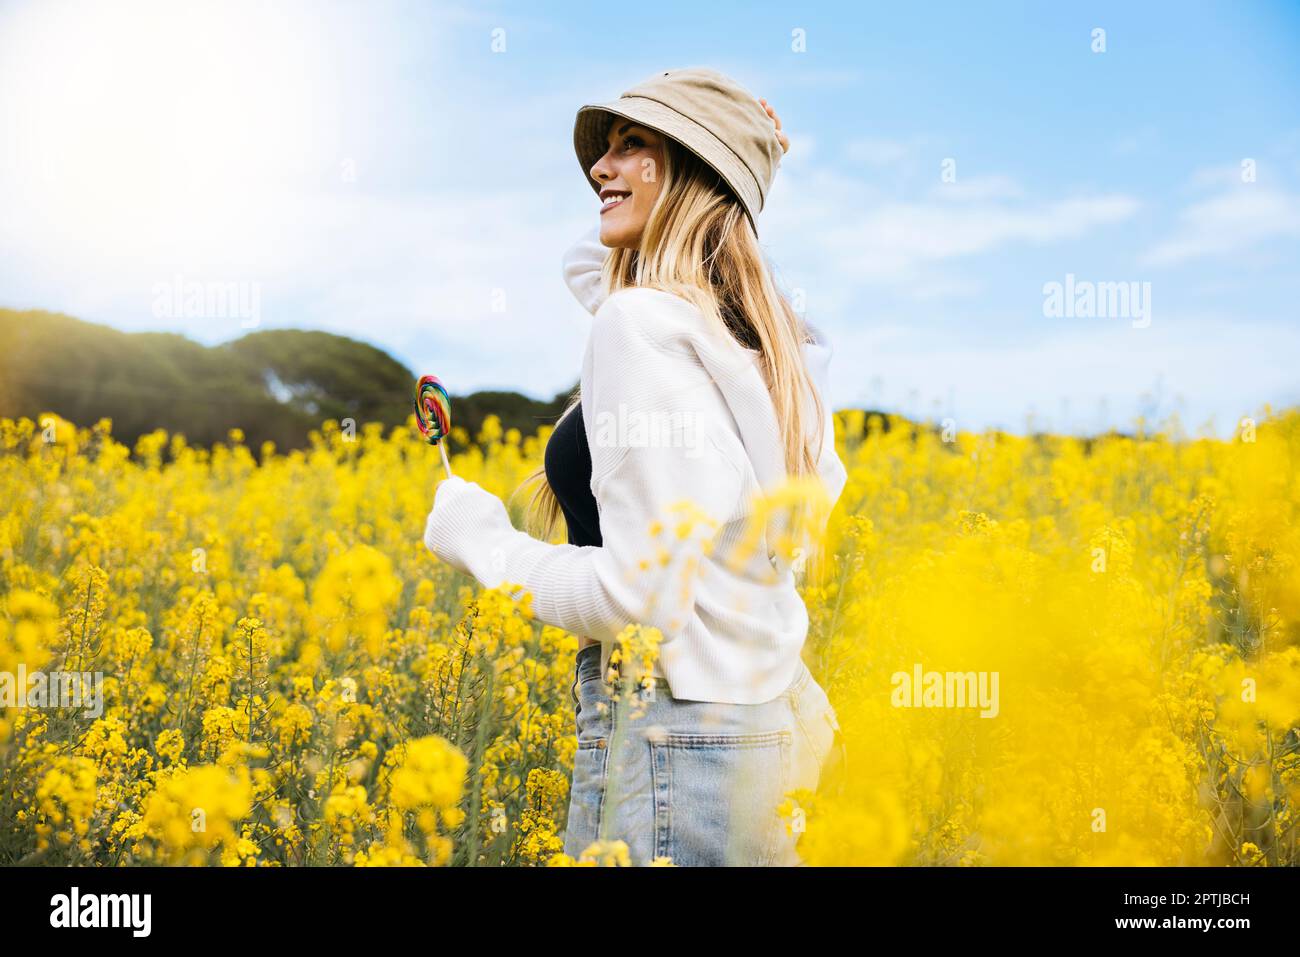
(698, 782)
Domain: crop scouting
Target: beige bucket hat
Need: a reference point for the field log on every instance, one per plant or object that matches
(710, 114)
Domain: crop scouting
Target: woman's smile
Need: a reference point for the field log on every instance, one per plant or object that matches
(610, 198)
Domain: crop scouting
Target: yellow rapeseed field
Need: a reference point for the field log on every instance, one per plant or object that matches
(289, 678)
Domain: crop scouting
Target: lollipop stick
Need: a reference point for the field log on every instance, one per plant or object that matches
(445, 461)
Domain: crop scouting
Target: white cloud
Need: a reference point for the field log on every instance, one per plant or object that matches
(891, 242)
(1089, 364)
(978, 188)
(848, 229)
(1228, 225)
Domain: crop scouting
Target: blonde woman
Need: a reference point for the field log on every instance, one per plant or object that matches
(700, 385)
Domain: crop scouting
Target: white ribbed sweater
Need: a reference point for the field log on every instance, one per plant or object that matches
(674, 410)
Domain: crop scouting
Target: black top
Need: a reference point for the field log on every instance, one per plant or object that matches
(568, 471)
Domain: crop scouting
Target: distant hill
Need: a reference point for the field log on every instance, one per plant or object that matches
(275, 384)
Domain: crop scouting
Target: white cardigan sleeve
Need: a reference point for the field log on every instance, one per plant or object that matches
(646, 569)
(581, 265)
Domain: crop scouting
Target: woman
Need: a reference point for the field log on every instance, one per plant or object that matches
(701, 391)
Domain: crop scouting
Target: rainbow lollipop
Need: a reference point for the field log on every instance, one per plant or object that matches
(433, 414)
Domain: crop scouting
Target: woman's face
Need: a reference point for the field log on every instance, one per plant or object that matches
(629, 178)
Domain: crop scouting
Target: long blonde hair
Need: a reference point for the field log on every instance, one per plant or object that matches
(699, 244)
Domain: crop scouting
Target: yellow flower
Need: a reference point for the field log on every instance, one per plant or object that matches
(193, 811)
(431, 773)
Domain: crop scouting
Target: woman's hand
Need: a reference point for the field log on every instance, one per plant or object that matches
(465, 517)
(436, 536)
(784, 140)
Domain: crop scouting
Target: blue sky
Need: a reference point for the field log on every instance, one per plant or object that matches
(378, 171)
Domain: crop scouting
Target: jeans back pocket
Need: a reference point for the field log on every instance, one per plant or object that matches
(716, 797)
